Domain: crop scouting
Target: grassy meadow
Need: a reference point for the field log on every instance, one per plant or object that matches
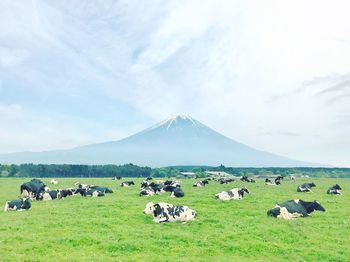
(114, 228)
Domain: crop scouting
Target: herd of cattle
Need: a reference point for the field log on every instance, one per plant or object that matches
(164, 212)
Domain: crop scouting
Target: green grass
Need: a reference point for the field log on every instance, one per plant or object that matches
(113, 228)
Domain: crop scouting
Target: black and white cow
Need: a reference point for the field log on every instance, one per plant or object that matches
(149, 178)
(171, 183)
(246, 179)
(278, 180)
(177, 192)
(83, 186)
(164, 212)
(147, 191)
(127, 183)
(235, 193)
(225, 180)
(91, 192)
(306, 187)
(103, 189)
(33, 189)
(295, 208)
(201, 183)
(334, 190)
(18, 204)
(68, 192)
(50, 195)
(269, 182)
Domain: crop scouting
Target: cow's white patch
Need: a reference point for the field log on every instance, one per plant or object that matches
(25, 193)
(46, 196)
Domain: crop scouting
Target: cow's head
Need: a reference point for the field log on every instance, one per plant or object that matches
(317, 206)
(149, 208)
(242, 191)
(26, 203)
(336, 186)
(312, 184)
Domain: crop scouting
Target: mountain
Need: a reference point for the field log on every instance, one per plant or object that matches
(179, 140)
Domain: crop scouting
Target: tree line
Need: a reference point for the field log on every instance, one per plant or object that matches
(130, 170)
(41, 170)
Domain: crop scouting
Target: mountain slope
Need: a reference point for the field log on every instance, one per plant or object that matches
(179, 140)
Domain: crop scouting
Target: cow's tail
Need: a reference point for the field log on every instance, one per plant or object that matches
(6, 207)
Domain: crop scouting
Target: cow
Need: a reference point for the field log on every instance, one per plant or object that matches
(334, 190)
(246, 179)
(295, 208)
(68, 192)
(292, 178)
(171, 183)
(106, 190)
(201, 183)
(306, 187)
(82, 186)
(235, 193)
(169, 188)
(91, 192)
(147, 191)
(33, 189)
(127, 183)
(146, 184)
(18, 204)
(278, 180)
(225, 180)
(54, 181)
(164, 212)
(177, 192)
(50, 195)
(149, 178)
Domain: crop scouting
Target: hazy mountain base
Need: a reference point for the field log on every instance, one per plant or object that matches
(114, 228)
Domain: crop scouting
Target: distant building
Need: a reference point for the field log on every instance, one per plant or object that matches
(218, 173)
(187, 175)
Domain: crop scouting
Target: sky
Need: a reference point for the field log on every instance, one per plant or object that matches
(274, 75)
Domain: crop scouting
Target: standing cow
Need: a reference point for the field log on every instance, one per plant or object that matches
(33, 188)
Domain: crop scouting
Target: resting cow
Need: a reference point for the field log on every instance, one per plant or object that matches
(201, 183)
(235, 193)
(102, 189)
(334, 190)
(225, 180)
(246, 179)
(306, 187)
(50, 195)
(18, 205)
(177, 192)
(295, 208)
(91, 192)
(164, 212)
(147, 191)
(127, 184)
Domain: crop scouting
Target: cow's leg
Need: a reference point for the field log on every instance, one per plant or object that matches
(6, 208)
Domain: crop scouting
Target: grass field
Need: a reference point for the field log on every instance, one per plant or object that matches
(113, 228)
